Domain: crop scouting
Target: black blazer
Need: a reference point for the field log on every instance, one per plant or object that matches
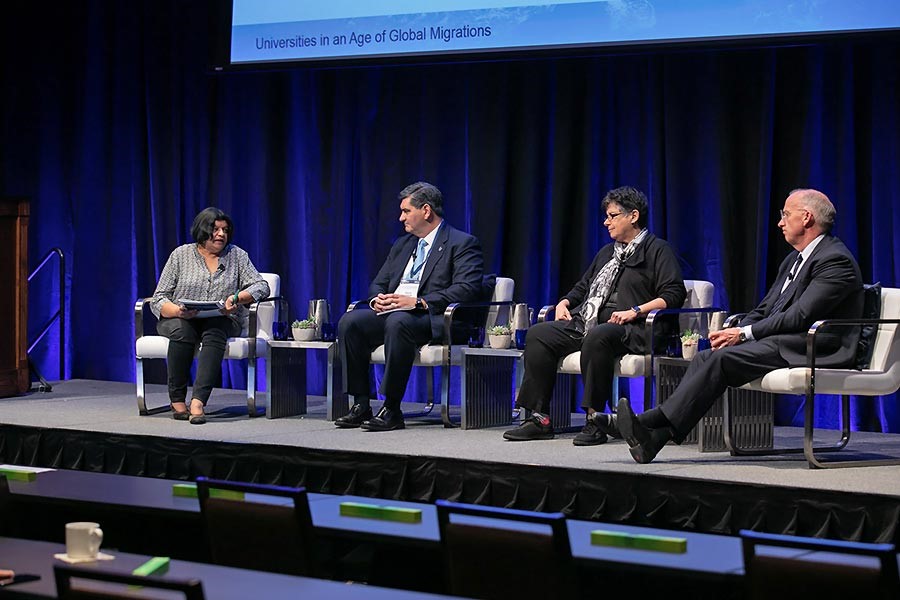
(452, 272)
(651, 272)
(829, 286)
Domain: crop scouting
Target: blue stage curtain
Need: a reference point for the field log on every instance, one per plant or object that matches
(112, 124)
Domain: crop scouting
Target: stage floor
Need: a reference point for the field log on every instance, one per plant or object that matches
(109, 407)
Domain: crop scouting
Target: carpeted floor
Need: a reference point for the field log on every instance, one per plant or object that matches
(101, 406)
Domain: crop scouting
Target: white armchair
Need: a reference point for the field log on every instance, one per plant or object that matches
(446, 355)
(881, 377)
(252, 345)
(699, 300)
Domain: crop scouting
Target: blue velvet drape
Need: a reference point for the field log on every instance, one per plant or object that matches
(111, 124)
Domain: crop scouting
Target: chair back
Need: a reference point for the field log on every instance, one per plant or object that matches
(256, 534)
(886, 350)
(107, 585)
(820, 568)
(504, 289)
(265, 315)
(483, 556)
(699, 295)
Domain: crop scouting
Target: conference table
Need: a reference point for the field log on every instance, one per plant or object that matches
(137, 514)
(219, 583)
(127, 506)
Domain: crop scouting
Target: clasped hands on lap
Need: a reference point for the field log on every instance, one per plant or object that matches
(384, 302)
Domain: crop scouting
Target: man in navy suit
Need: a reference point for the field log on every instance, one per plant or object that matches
(819, 280)
(430, 267)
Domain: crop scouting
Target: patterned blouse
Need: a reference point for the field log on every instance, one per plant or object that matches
(185, 276)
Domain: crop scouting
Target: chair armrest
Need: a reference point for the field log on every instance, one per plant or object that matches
(356, 304)
(734, 319)
(546, 310)
(281, 307)
(139, 317)
(821, 324)
(451, 309)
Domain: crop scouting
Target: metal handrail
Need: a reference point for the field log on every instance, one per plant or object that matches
(60, 314)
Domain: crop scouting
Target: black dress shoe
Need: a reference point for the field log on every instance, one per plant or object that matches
(643, 443)
(535, 427)
(386, 420)
(590, 434)
(355, 417)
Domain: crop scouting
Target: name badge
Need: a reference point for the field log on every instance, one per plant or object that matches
(408, 288)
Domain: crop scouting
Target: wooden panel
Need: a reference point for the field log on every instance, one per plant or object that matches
(14, 378)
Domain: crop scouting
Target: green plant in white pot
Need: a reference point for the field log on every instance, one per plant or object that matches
(304, 331)
(499, 337)
(689, 341)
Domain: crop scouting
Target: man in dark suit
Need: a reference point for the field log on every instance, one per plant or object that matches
(426, 270)
(820, 280)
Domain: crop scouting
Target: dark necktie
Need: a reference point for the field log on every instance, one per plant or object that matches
(782, 299)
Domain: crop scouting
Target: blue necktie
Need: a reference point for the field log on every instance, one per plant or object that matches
(418, 260)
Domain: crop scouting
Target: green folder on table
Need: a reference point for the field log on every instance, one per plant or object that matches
(13, 474)
(384, 513)
(653, 543)
(189, 490)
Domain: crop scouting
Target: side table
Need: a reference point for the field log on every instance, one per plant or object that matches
(488, 386)
(286, 379)
(752, 413)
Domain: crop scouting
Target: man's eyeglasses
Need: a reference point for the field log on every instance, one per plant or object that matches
(786, 213)
(611, 216)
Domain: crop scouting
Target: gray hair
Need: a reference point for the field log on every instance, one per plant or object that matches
(819, 205)
(421, 193)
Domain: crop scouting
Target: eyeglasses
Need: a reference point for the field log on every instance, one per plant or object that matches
(786, 213)
(611, 216)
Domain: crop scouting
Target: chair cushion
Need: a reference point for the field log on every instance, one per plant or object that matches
(871, 310)
(151, 346)
(430, 355)
(630, 365)
(157, 346)
(828, 381)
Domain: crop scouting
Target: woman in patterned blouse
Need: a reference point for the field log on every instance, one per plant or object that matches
(210, 269)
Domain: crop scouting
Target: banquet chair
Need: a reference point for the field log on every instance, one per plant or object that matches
(877, 374)
(252, 345)
(447, 354)
(256, 533)
(97, 584)
(820, 569)
(699, 301)
(483, 548)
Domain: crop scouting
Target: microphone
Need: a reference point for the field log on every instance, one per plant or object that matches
(221, 267)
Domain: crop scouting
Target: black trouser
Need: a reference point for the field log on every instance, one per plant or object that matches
(402, 333)
(710, 373)
(550, 341)
(184, 334)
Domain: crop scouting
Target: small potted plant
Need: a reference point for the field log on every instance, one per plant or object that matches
(689, 340)
(499, 337)
(304, 331)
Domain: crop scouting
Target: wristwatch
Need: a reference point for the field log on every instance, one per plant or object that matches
(420, 304)
(742, 337)
(637, 309)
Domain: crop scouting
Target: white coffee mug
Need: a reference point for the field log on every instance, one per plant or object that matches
(83, 539)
